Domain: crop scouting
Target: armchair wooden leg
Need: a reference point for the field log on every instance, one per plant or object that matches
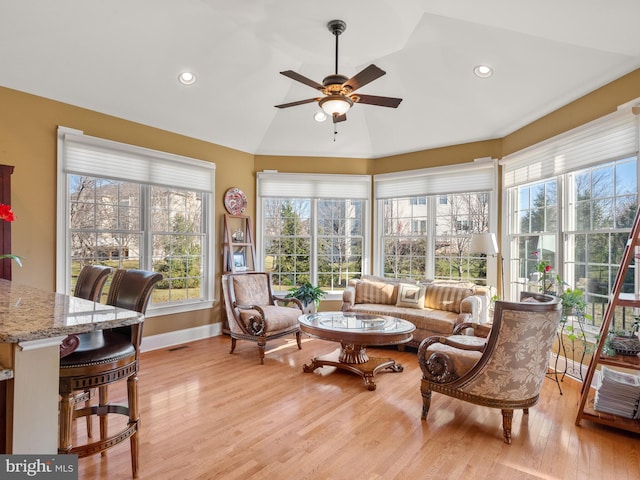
(261, 347)
(426, 402)
(525, 411)
(233, 344)
(507, 419)
(299, 340)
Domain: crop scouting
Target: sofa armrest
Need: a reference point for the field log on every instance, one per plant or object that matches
(348, 298)
(472, 305)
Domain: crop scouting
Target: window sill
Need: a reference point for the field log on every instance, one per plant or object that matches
(160, 310)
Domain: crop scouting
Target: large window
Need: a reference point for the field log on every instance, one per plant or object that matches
(427, 235)
(132, 218)
(312, 228)
(571, 204)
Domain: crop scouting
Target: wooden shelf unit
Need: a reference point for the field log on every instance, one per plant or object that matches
(586, 409)
(239, 250)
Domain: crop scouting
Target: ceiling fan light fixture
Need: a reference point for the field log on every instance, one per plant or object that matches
(482, 71)
(319, 116)
(187, 78)
(335, 104)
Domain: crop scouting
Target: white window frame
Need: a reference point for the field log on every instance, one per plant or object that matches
(142, 165)
(314, 186)
(481, 175)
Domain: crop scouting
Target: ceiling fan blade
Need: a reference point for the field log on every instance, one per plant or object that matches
(367, 75)
(299, 102)
(339, 118)
(376, 100)
(302, 79)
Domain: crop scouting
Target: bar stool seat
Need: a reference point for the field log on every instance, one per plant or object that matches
(107, 357)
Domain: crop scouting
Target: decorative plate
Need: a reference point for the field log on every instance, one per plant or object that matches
(235, 201)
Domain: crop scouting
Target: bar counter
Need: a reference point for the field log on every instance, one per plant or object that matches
(33, 323)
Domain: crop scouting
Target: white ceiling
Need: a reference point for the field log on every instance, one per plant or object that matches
(122, 57)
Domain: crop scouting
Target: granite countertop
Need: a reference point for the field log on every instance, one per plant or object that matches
(28, 313)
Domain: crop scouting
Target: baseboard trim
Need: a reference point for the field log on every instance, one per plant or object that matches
(169, 339)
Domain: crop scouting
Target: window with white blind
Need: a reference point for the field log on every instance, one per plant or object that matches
(425, 219)
(313, 228)
(571, 201)
(130, 207)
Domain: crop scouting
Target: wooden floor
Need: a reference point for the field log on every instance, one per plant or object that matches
(207, 414)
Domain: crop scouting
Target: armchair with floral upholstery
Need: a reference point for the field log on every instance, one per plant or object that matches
(254, 313)
(504, 370)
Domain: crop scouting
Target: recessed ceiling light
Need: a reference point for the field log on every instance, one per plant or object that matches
(483, 71)
(187, 78)
(320, 116)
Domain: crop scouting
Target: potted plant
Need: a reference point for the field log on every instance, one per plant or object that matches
(625, 342)
(573, 301)
(309, 295)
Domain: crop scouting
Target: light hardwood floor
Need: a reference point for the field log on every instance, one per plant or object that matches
(207, 414)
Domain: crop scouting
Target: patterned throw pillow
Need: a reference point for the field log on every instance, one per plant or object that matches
(411, 296)
(375, 292)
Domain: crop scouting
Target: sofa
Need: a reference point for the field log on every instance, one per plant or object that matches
(435, 308)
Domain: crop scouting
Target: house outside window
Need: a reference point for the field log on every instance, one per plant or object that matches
(136, 222)
(427, 235)
(312, 228)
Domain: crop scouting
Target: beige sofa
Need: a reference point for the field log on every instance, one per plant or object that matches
(434, 308)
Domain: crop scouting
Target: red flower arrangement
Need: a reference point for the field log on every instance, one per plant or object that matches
(7, 215)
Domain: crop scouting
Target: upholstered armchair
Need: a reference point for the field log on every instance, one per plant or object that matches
(504, 370)
(254, 313)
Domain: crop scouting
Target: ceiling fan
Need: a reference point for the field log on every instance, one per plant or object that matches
(339, 90)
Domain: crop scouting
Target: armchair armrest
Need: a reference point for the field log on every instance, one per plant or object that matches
(285, 301)
(348, 298)
(256, 324)
(444, 365)
(478, 329)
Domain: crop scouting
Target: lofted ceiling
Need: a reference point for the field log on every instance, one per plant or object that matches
(123, 57)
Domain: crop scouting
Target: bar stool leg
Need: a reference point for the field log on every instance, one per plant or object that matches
(132, 394)
(65, 422)
(103, 400)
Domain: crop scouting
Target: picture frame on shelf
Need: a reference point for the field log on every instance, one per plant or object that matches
(239, 262)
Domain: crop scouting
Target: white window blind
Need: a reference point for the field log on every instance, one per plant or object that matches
(609, 138)
(85, 155)
(468, 177)
(296, 185)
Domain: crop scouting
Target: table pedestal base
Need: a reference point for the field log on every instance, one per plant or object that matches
(354, 359)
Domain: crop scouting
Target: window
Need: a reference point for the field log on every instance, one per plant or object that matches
(312, 228)
(571, 202)
(427, 235)
(118, 209)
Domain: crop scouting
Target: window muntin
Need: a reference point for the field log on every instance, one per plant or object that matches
(108, 226)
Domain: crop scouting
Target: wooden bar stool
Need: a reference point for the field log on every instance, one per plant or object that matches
(113, 358)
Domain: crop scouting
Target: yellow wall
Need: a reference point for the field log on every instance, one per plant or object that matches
(28, 127)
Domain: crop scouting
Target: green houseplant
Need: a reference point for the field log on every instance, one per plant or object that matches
(308, 294)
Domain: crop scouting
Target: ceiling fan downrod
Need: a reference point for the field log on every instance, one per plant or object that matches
(336, 27)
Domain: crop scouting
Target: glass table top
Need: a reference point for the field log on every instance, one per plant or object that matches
(338, 321)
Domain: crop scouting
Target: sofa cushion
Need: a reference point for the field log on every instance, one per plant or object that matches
(446, 297)
(376, 292)
(411, 296)
(433, 321)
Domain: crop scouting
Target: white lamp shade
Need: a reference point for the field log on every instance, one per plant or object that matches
(484, 243)
(335, 104)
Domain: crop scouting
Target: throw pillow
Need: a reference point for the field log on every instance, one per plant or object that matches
(375, 292)
(411, 296)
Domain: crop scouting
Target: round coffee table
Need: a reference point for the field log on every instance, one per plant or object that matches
(355, 332)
